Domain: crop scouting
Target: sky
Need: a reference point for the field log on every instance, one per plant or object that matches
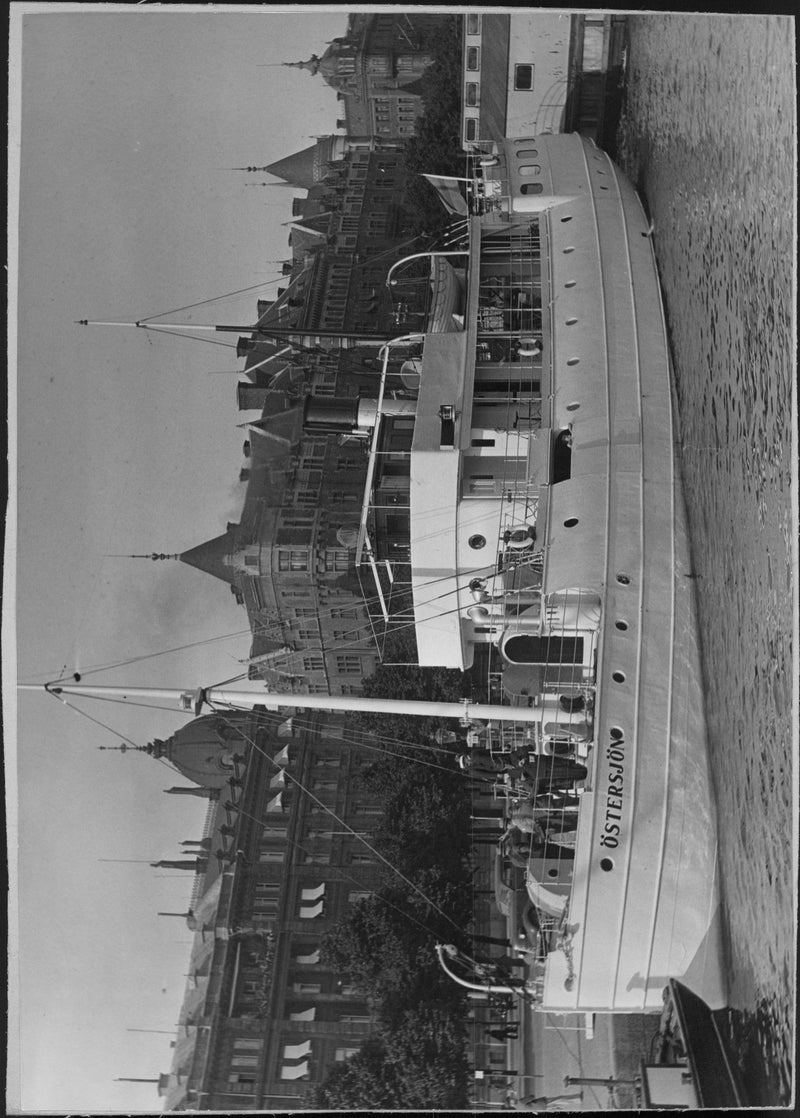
(126, 121)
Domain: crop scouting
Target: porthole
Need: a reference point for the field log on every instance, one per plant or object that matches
(532, 188)
(606, 864)
(571, 248)
(573, 406)
(573, 361)
(529, 170)
(527, 153)
(621, 625)
(552, 872)
(569, 283)
(604, 188)
(616, 733)
(618, 677)
(623, 579)
(567, 218)
(571, 321)
(571, 522)
(600, 172)
(477, 541)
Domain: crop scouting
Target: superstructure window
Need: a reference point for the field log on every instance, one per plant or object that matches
(473, 24)
(470, 129)
(472, 94)
(473, 58)
(523, 76)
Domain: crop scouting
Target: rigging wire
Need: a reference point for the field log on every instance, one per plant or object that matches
(214, 299)
(341, 822)
(344, 875)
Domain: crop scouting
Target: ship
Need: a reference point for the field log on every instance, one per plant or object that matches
(539, 507)
(524, 467)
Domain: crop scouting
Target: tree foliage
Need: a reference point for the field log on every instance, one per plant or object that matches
(435, 148)
(402, 678)
(420, 1064)
(385, 945)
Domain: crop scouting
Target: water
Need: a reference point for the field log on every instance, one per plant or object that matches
(707, 135)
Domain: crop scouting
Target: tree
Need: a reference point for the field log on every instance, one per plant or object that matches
(378, 947)
(402, 678)
(420, 1064)
(435, 149)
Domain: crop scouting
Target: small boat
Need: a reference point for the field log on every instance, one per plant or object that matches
(692, 1067)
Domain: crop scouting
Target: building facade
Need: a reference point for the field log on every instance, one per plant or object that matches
(284, 853)
(375, 68)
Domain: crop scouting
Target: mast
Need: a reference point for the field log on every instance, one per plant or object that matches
(194, 701)
(297, 337)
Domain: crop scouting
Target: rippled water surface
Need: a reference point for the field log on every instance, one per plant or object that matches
(707, 134)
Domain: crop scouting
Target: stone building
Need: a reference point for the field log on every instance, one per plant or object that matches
(289, 559)
(276, 865)
(375, 69)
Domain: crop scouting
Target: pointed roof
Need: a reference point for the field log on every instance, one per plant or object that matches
(215, 556)
(305, 168)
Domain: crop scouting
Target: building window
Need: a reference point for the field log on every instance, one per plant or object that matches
(312, 902)
(291, 519)
(322, 859)
(344, 1054)
(308, 958)
(308, 634)
(523, 76)
(307, 987)
(337, 559)
(271, 855)
(348, 664)
(244, 1062)
(315, 663)
(275, 830)
(355, 896)
(329, 760)
(248, 1044)
(292, 560)
(295, 1071)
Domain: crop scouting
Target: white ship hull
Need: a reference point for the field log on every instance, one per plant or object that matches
(644, 904)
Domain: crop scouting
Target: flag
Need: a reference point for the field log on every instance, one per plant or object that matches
(452, 198)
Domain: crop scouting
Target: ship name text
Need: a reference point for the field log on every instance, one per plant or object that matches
(615, 755)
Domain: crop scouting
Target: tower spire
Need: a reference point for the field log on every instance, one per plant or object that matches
(154, 555)
(312, 64)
